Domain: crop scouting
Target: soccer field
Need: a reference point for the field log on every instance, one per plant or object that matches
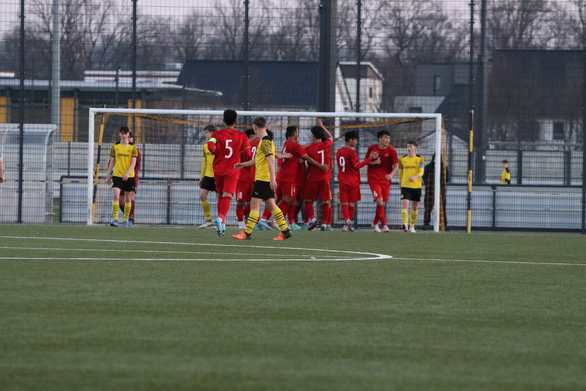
(159, 308)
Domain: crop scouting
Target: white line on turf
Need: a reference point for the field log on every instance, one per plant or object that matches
(490, 261)
(357, 255)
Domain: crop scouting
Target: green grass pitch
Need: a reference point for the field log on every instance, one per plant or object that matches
(159, 308)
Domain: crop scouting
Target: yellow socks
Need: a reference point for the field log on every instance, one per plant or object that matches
(252, 220)
(414, 214)
(127, 209)
(115, 208)
(205, 205)
(404, 216)
(279, 218)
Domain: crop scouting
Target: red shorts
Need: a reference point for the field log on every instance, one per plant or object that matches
(244, 191)
(349, 193)
(288, 189)
(226, 184)
(380, 190)
(320, 189)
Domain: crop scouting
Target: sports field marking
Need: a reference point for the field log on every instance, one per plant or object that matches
(490, 261)
(324, 256)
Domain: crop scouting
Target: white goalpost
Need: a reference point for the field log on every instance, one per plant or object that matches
(165, 132)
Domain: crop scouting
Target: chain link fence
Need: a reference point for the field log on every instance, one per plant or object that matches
(519, 66)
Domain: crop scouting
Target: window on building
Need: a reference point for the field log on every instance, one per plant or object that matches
(437, 84)
(414, 110)
(558, 130)
(371, 92)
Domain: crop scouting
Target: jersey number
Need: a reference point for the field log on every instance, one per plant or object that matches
(322, 153)
(228, 147)
(342, 163)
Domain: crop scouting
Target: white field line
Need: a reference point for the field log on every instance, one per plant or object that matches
(134, 251)
(490, 261)
(356, 255)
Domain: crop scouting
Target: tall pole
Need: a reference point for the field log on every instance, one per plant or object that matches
(134, 42)
(358, 52)
(56, 68)
(583, 18)
(328, 10)
(21, 133)
(245, 54)
(471, 122)
(480, 171)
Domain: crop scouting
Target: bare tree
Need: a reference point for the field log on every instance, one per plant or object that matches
(518, 24)
(347, 29)
(190, 39)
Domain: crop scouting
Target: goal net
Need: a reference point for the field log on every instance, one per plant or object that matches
(171, 146)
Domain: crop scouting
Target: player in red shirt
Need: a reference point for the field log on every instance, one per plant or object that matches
(380, 173)
(318, 181)
(227, 145)
(349, 176)
(287, 176)
(245, 183)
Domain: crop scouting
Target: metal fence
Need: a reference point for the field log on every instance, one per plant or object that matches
(519, 66)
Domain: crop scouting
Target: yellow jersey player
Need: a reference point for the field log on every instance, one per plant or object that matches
(506, 174)
(123, 157)
(265, 183)
(411, 168)
(206, 181)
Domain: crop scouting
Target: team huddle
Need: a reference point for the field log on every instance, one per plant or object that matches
(243, 164)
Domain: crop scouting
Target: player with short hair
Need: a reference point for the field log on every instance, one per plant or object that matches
(132, 194)
(246, 182)
(122, 161)
(411, 167)
(265, 183)
(227, 145)
(207, 182)
(287, 175)
(318, 181)
(349, 176)
(380, 172)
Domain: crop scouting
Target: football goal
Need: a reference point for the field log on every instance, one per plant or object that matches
(171, 141)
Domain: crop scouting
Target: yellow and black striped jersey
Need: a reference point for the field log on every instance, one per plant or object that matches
(123, 155)
(408, 167)
(265, 148)
(208, 163)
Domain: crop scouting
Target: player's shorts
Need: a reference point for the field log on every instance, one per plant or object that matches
(127, 185)
(349, 193)
(226, 184)
(208, 183)
(262, 190)
(380, 190)
(408, 193)
(287, 189)
(244, 191)
(316, 189)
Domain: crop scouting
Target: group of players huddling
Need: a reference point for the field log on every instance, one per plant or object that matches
(243, 163)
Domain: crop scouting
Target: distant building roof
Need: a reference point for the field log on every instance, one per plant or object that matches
(282, 84)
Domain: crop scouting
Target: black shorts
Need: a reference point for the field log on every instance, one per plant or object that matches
(208, 183)
(128, 185)
(410, 194)
(262, 190)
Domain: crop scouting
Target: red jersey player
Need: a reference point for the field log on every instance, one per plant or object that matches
(349, 176)
(227, 145)
(318, 181)
(380, 173)
(245, 183)
(287, 175)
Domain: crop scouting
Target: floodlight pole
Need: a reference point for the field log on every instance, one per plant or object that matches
(56, 69)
